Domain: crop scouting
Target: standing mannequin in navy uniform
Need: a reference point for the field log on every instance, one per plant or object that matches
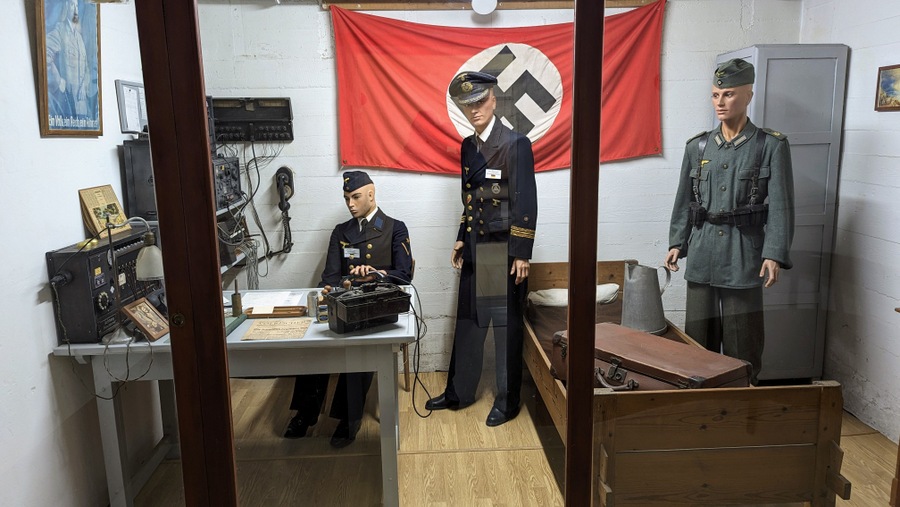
(370, 241)
(734, 221)
(493, 248)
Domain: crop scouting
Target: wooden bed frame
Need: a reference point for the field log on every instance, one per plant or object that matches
(738, 446)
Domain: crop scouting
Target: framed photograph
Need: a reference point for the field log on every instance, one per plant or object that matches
(887, 93)
(132, 106)
(68, 46)
(147, 319)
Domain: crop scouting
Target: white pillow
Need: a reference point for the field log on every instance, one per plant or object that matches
(606, 293)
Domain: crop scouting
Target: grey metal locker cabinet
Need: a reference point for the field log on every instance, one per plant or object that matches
(799, 91)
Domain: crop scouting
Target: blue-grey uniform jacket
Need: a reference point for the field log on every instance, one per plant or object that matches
(383, 244)
(724, 255)
(499, 194)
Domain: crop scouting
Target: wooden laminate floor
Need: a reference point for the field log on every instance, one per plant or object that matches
(449, 459)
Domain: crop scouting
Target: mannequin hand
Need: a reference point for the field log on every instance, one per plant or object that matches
(456, 259)
(672, 259)
(520, 269)
(771, 268)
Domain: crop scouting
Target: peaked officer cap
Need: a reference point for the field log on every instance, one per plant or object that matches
(734, 73)
(469, 87)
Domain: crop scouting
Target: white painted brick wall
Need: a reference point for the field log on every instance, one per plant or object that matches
(862, 348)
(252, 50)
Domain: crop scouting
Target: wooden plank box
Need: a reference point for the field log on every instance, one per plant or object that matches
(726, 446)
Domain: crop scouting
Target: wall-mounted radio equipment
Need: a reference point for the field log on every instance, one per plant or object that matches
(139, 188)
(84, 286)
(226, 181)
(252, 119)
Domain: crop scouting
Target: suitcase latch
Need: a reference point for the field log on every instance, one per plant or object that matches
(616, 374)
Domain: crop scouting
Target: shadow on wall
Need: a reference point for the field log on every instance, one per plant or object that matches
(861, 324)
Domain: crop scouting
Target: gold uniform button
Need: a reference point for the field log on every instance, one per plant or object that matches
(525, 219)
(468, 229)
(481, 222)
(468, 185)
(481, 232)
(369, 246)
(470, 219)
(368, 256)
(470, 208)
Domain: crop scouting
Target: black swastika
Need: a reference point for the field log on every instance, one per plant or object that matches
(526, 84)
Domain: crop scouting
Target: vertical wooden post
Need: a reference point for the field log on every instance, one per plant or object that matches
(583, 257)
(895, 486)
(173, 80)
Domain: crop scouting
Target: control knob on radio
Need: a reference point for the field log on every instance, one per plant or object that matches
(102, 301)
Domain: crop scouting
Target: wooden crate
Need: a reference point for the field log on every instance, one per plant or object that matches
(750, 446)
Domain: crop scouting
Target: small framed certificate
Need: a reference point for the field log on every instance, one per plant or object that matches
(132, 106)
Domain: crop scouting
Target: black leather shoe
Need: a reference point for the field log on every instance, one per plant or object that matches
(345, 433)
(441, 403)
(497, 417)
(297, 428)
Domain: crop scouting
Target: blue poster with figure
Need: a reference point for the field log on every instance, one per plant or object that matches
(69, 50)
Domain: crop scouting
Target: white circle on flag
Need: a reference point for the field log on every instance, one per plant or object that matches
(527, 78)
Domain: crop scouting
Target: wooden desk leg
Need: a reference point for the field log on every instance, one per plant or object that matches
(112, 438)
(388, 415)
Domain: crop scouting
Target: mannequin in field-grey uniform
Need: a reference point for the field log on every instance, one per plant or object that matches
(733, 219)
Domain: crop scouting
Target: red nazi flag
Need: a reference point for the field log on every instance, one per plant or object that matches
(393, 76)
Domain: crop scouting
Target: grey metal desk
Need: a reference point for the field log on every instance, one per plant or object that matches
(318, 351)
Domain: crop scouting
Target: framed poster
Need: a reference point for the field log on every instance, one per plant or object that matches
(887, 92)
(68, 46)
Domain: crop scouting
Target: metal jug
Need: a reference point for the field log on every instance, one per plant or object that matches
(642, 307)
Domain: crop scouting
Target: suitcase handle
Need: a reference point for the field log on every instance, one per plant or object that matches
(631, 385)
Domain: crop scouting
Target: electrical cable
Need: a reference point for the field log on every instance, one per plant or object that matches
(250, 247)
(54, 285)
(421, 331)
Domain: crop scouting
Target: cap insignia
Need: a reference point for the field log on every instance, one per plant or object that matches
(466, 87)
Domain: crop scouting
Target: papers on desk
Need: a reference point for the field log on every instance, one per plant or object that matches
(268, 298)
(277, 329)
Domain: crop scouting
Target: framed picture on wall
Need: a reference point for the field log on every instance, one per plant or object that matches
(68, 46)
(887, 93)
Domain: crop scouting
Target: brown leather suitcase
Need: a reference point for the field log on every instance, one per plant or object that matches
(629, 360)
